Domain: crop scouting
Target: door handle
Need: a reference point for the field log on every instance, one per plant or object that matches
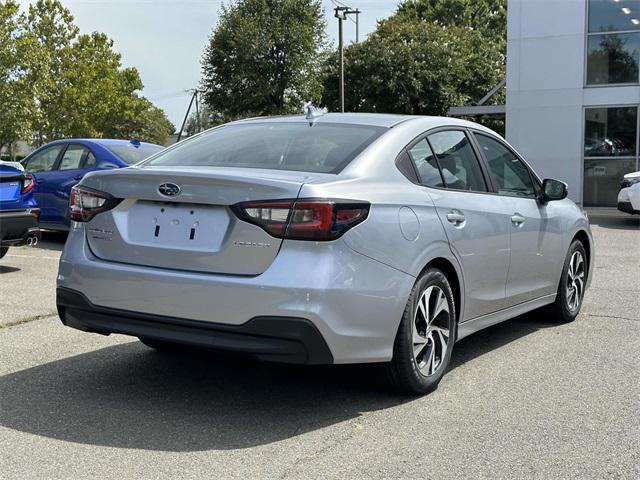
(517, 219)
(456, 217)
(78, 177)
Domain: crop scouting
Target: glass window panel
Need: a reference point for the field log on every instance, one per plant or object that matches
(509, 174)
(72, 158)
(426, 165)
(614, 15)
(610, 132)
(44, 160)
(90, 161)
(602, 180)
(321, 148)
(460, 167)
(613, 58)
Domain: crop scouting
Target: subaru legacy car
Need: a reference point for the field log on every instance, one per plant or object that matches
(59, 165)
(338, 238)
(18, 211)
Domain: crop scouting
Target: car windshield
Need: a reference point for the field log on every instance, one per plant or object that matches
(274, 146)
(131, 153)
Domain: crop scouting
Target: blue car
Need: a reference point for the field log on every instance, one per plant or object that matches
(18, 211)
(59, 165)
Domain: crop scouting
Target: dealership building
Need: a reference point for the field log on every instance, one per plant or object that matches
(573, 90)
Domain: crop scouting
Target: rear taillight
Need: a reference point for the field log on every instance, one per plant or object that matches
(86, 203)
(304, 219)
(28, 184)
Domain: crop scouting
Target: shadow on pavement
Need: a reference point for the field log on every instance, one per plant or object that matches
(52, 241)
(132, 397)
(616, 222)
(8, 269)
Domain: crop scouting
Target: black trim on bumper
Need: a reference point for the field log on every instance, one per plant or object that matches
(16, 226)
(281, 339)
(627, 208)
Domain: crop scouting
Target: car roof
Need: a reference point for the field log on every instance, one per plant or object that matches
(106, 142)
(371, 119)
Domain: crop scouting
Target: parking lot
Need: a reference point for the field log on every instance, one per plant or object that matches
(525, 399)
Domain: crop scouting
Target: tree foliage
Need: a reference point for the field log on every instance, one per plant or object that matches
(264, 57)
(202, 120)
(72, 85)
(429, 56)
(15, 58)
(489, 17)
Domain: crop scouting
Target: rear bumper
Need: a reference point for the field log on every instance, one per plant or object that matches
(282, 339)
(16, 226)
(354, 302)
(627, 207)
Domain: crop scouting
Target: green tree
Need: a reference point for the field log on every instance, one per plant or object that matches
(264, 57)
(60, 83)
(489, 17)
(16, 55)
(414, 66)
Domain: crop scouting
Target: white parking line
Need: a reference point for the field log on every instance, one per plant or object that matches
(32, 256)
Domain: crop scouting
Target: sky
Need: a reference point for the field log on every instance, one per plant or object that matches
(165, 39)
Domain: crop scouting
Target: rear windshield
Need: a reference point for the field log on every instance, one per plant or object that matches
(132, 153)
(274, 146)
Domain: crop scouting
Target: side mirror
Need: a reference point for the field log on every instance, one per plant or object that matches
(553, 190)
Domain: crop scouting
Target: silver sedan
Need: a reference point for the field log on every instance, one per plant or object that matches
(336, 238)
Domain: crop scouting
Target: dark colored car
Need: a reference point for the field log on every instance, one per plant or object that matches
(18, 211)
(59, 165)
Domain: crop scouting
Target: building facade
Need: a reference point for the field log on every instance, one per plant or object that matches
(573, 91)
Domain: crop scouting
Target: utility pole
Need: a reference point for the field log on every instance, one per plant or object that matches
(357, 12)
(194, 97)
(341, 14)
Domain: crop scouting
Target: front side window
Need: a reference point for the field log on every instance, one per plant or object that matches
(509, 174)
(613, 43)
(321, 148)
(426, 165)
(44, 160)
(460, 167)
(73, 157)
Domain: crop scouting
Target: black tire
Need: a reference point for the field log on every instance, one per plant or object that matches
(403, 372)
(3, 251)
(162, 345)
(561, 310)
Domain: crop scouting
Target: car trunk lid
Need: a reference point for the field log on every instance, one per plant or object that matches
(193, 230)
(11, 178)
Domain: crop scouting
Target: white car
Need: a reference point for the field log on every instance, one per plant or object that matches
(629, 195)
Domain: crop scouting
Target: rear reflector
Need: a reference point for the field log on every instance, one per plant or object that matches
(85, 203)
(304, 219)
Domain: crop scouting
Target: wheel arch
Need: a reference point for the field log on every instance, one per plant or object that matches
(583, 237)
(453, 275)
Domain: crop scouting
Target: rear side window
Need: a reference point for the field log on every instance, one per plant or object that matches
(426, 165)
(319, 148)
(44, 160)
(510, 176)
(460, 167)
(73, 157)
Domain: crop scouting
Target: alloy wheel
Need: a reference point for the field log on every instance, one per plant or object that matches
(575, 281)
(431, 328)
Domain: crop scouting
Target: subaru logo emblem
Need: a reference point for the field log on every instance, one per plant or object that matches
(169, 189)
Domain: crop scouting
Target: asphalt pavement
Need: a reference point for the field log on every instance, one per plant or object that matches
(524, 399)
